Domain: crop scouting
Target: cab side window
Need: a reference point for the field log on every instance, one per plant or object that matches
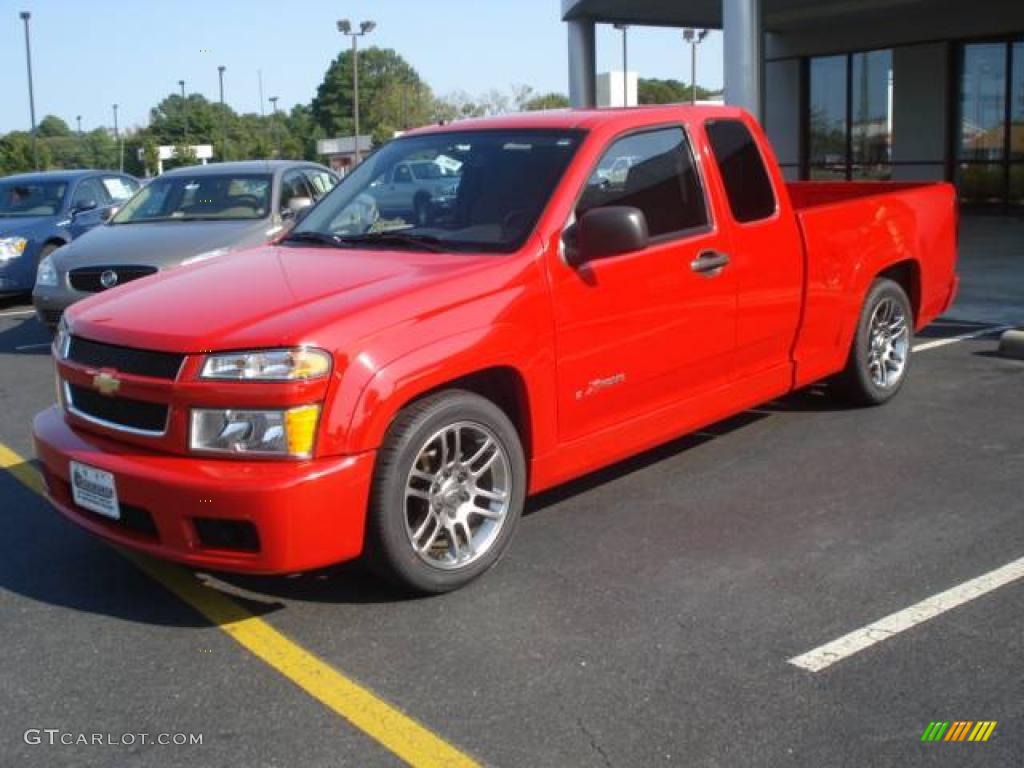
(89, 190)
(321, 181)
(293, 185)
(403, 174)
(747, 185)
(652, 171)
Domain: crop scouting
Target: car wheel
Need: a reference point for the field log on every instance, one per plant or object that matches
(881, 351)
(448, 491)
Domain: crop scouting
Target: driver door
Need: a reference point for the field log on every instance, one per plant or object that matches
(639, 331)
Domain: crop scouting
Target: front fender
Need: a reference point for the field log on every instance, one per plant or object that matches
(366, 405)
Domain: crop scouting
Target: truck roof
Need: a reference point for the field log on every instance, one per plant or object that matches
(585, 119)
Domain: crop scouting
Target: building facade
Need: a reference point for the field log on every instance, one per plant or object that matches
(861, 89)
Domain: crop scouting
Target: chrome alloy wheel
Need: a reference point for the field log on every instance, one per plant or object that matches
(888, 344)
(457, 495)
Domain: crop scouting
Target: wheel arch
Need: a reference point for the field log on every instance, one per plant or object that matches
(906, 274)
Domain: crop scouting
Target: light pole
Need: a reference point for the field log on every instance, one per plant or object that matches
(223, 121)
(694, 37)
(273, 124)
(78, 119)
(25, 16)
(365, 28)
(624, 28)
(117, 141)
(184, 111)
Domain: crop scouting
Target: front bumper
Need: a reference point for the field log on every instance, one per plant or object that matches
(51, 301)
(307, 514)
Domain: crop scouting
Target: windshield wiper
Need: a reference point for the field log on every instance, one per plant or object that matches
(426, 242)
(321, 238)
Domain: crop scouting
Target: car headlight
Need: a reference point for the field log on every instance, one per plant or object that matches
(204, 256)
(12, 247)
(62, 339)
(297, 364)
(289, 432)
(47, 273)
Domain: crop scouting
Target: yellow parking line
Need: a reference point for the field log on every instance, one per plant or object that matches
(381, 721)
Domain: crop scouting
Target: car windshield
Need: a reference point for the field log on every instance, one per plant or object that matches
(203, 196)
(31, 198)
(472, 190)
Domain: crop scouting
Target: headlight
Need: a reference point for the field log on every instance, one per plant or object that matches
(12, 247)
(295, 364)
(47, 273)
(204, 256)
(269, 433)
(62, 339)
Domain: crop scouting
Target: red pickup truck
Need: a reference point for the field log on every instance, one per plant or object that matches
(593, 283)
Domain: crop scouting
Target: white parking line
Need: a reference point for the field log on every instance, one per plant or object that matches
(825, 656)
(961, 337)
(18, 313)
(40, 345)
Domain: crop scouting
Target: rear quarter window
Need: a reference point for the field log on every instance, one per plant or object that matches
(750, 193)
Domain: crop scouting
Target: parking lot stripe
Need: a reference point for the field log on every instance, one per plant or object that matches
(387, 725)
(18, 313)
(936, 343)
(825, 656)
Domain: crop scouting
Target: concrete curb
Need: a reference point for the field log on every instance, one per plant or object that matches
(1011, 344)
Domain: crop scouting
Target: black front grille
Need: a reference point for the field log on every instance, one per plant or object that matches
(91, 278)
(140, 362)
(122, 411)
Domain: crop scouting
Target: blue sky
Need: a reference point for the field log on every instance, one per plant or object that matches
(89, 55)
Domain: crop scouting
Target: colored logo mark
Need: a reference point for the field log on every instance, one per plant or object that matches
(959, 730)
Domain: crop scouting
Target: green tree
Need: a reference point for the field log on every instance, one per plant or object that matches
(546, 101)
(654, 91)
(51, 125)
(384, 77)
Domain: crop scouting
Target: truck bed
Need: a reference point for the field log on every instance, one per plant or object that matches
(813, 194)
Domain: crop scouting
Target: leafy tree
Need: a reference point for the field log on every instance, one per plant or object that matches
(654, 91)
(51, 125)
(383, 74)
(546, 101)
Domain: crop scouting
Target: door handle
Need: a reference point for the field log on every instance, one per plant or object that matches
(709, 261)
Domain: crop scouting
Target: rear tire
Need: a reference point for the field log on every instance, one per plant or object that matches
(880, 354)
(448, 491)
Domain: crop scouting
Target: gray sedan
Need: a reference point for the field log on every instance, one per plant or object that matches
(185, 215)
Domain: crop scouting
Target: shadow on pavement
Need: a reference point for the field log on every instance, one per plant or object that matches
(28, 337)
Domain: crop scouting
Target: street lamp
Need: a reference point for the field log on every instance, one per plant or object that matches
(624, 28)
(223, 121)
(694, 37)
(117, 140)
(184, 111)
(78, 119)
(273, 124)
(25, 16)
(365, 28)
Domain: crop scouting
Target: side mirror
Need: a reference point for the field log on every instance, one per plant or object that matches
(296, 208)
(108, 213)
(82, 207)
(608, 231)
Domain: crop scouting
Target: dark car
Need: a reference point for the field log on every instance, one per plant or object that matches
(185, 215)
(40, 212)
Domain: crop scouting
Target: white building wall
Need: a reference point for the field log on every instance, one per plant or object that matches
(610, 92)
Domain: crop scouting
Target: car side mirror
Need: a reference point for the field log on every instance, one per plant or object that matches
(607, 231)
(297, 208)
(108, 213)
(82, 207)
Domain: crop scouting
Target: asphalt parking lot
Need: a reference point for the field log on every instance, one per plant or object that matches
(644, 616)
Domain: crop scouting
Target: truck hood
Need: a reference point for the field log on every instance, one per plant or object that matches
(159, 243)
(263, 297)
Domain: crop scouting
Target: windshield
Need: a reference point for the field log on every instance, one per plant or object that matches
(31, 198)
(203, 196)
(471, 190)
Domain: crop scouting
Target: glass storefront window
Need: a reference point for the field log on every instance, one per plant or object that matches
(1017, 103)
(850, 116)
(828, 119)
(871, 114)
(983, 102)
(981, 183)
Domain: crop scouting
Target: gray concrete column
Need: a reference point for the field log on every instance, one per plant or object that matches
(743, 43)
(582, 63)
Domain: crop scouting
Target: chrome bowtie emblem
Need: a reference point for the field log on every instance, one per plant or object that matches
(108, 279)
(105, 383)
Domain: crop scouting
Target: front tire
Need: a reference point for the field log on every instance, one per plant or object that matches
(448, 491)
(880, 356)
